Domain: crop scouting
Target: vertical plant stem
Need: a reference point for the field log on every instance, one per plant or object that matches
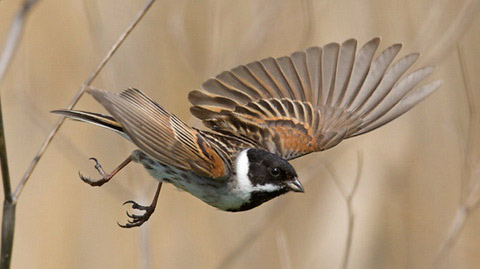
(7, 189)
(348, 197)
(8, 228)
(11, 44)
(456, 227)
(9, 204)
(14, 35)
(351, 215)
(471, 177)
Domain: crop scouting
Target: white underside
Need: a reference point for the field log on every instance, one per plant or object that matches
(225, 194)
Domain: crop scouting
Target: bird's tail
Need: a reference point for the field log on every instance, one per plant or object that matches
(93, 118)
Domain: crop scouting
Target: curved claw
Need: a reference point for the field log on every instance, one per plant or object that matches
(88, 180)
(129, 215)
(98, 182)
(130, 224)
(134, 216)
(98, 166)
(134, 219)
(137, 220)
(135, 205)
(124, 226)
(129, 202)
(95, 183)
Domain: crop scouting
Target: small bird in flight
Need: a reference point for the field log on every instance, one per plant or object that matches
(261, 115)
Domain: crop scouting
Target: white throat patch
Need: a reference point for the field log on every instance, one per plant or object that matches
(242, 166)
(244, 186)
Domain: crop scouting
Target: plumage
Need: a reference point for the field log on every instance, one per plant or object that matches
(161, 134)
(323, 94)
(261, 115)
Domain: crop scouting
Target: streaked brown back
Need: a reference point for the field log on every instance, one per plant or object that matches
(162, 135)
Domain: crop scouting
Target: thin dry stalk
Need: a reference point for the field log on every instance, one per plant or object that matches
(264, 222)
(471, 181)
(439, 43)
(144, 249)
(283, 250)
(258, 229)
(348, 197)
(9, 203)
(14, 35)
(308, 25)
(262, 23)
(13, 38)
(178, 34)
(79, 94)
(257, 33)
(215, 41)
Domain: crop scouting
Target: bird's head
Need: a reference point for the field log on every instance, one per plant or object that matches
(261, 176)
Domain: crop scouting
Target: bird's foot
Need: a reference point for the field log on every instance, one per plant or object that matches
(97, 182)
(137, 220)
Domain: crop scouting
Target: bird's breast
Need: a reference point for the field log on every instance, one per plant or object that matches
(219, 193)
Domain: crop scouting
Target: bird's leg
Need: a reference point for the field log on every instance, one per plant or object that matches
(105, 177)
(137, 220)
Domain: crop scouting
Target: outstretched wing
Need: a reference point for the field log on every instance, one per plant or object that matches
(313, 99)
(162, 135)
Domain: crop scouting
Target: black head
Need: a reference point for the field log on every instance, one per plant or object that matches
(268, 168)
(264, 176)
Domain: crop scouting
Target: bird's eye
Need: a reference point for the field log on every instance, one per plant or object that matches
(275, 171)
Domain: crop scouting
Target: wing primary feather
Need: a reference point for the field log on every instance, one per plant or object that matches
(398, 92)
(408, 102)
(344, 70)
(292, 77)
(391, 77)
(329, 67)
(314, 64)
(299, 60)
(276, 75)
(375, 74)
(242, 79)
(362, 64)
(260, 73)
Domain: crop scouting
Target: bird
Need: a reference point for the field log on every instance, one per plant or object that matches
(259, 116)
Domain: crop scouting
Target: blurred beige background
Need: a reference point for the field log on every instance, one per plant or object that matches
(414, 175)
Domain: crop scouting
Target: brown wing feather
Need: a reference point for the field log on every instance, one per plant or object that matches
(313, 99)
(162, 135)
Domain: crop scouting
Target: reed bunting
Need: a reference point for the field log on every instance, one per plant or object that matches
(260, 116)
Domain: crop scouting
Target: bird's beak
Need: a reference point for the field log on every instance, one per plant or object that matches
(295, 185)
